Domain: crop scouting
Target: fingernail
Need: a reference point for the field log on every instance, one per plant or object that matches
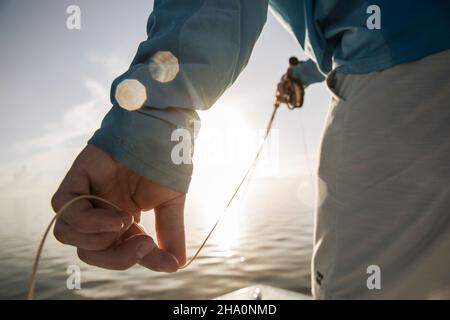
(127, 220)
(145, 248)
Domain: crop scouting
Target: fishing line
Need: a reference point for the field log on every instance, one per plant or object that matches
(32, 282)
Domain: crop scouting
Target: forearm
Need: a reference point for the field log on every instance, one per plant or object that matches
(211, 41)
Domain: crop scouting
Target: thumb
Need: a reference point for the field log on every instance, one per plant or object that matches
(169, 222)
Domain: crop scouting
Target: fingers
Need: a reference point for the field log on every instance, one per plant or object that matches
(149, 194)
(280, 94)
(82, 224)
(169, 218)
(120, 257)
(298, 95)
(102, 234)
(93, 240)
(138, 248)
(65, 234)
(82, 215)
(160, 260)
(85, 219)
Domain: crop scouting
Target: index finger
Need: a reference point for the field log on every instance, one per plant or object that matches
(82, 215)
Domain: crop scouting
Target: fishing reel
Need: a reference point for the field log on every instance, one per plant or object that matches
(290, 90)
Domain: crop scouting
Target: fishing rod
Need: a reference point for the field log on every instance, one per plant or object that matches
(289, 91)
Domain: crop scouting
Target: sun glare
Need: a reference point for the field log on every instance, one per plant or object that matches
(224, 149)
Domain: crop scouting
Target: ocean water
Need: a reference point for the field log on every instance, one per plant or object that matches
(265, 239)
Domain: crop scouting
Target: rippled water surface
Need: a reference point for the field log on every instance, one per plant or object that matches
(267, 239)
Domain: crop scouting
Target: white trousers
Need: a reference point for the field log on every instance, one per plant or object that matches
(383, 219)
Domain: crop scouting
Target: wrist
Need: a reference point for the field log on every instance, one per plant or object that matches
(148, 146)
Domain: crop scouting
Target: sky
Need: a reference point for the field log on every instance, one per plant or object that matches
(54, 89)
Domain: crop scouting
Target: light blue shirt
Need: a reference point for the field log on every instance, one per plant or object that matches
(213, 40)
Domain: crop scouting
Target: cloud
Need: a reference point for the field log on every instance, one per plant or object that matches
(44, 159)
(41, 162)
(77, 122)
(111, 64)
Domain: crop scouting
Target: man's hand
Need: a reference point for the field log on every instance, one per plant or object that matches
(290, 90)
(110, 239)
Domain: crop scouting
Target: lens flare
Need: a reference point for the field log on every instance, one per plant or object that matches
(164, 66)
(131, 94)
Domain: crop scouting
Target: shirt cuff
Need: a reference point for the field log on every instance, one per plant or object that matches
(308, 73)
(143, 142)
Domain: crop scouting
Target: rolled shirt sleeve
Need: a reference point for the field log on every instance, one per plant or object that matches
(308, 73)
(194, 51)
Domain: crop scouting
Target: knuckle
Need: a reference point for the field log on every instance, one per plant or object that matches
(82, 255)
(54, 201)
(59, 234)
